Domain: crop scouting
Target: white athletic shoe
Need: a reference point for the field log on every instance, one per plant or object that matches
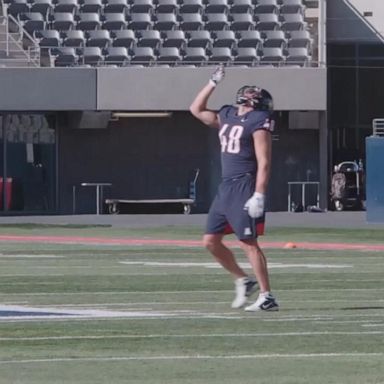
(263, 303)
(244, 287)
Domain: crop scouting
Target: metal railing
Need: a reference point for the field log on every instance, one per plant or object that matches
(19, 46)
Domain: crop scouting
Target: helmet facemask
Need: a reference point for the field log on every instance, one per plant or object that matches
(254, 97)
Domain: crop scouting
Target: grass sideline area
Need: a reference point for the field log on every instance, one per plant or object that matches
(99, 313)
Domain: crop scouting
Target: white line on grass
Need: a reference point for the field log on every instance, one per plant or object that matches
(185, 336)
(184, 292)
(193, 357)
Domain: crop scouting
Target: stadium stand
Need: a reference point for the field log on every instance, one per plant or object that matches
(181, 24)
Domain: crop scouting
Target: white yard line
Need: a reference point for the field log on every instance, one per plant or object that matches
(193, 357)
(192, 336)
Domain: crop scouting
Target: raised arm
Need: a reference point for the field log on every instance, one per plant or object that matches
(199, 107)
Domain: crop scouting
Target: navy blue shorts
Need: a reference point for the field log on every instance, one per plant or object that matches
(227, 214)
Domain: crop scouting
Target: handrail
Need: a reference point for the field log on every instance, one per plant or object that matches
(20, 38)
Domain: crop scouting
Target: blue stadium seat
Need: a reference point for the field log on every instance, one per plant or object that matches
(66, 6)
(142, 6)
(166, 6)
(191, 6)
(242, 6)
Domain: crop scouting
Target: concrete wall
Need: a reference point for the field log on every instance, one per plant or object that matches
(63, 89)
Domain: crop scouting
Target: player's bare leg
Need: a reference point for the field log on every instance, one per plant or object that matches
(258, 262)
(244, 286)
(223, 255)
(266, 300)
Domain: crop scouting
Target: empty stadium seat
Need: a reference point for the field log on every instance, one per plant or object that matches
(242, 6)
(275, 39)
(99, 38)
(48, 38)
(174, 39)
(116, 6)
(247, 56)
(220, 55)
(216, 22)
(267, 21)
(150, 38)
(116, 56)
(165, 21)
(32, 21)
(91, 56)
(169, 55)
(266, 6)
(74, 38)
(292, 6)
(123, 38)
(17, 7)
(63, 21)
(91, 6)
(167, 6)
(224, 39)
(195, 56)
(141, 6)
(200, 39)
(191, 21)
(114, 21)
(249, 39)
(217, 6)
(66, 6)
(298, 56)
(64, 56)
(44, 7)
(140, 21)
(191, 6)
(272, 55)
(242, 22)
(143, 56)
(292, 22)
(299, 39)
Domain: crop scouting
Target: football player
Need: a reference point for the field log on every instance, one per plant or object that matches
(244, 130)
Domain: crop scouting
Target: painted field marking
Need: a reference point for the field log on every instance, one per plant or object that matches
(193, 336)
(194, 357)
(177, 243)
(217, 266)
(21, 256)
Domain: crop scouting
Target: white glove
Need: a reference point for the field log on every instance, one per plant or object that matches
(217, 75)
(255, 205)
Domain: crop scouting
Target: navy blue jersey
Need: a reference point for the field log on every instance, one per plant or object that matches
(237, 147)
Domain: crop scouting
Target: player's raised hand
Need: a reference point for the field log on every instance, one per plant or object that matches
(217, 75)
(255, 205)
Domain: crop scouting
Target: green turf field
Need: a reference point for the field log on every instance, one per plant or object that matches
(161, 314)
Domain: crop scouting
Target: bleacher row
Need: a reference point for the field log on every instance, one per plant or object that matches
(167, 32)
